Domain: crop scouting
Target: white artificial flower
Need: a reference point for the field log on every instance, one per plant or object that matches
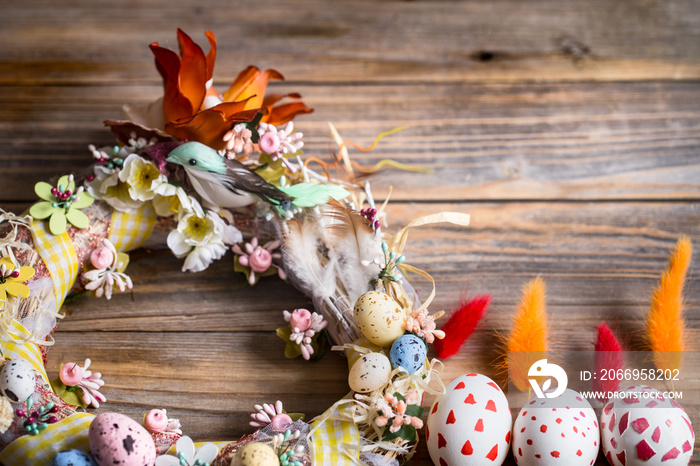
(144, 178)
(201, 239)
(106, 186)
(187, 455)
(172, 200)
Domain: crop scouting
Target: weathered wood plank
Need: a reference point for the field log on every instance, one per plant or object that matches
(492, 141)
(600, 261)
(393, 41)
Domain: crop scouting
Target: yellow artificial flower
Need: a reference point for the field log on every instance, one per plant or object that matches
(12, 278)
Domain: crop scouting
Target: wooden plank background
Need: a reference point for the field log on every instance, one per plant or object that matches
(567, 129)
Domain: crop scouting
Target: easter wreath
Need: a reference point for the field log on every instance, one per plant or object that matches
(217, 171)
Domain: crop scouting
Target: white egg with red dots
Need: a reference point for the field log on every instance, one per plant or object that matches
(470, 425)
(17, 380)
(556, 431)
(643, 426)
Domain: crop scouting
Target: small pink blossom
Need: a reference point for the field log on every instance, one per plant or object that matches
(393, 409)
(259, 258)
(423, 325)
(238, 141)
(280, 142)
(300, 320)
(90, 382)
(304, 326)
(273, 415)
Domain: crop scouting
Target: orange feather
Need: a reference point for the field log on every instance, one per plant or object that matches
(664, 324)
(528, 339)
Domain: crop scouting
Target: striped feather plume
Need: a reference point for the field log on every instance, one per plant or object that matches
(461, 325)
(664, 323)
(609, 356)
(528, 339)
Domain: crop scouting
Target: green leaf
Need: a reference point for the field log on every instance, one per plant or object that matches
(57, 224)
(84, 199)
(42, 210)
(414, 410)
(66, 185)
(72, 397)
(399, 396)
(407, 433)
(77, 218)
(292, 350)
(313, 194)
(43, 190)
(123, 259)
(284, 333)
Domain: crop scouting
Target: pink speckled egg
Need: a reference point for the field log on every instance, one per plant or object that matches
(643, 426)
(116, 439)
(470, 424)
(556, 431)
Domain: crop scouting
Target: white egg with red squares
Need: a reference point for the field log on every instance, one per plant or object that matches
(555, 431)
(643, 426)
(470, 425)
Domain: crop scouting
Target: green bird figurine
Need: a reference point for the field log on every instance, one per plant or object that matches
(222, 182)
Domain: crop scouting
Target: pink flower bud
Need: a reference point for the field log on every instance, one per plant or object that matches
(101, 258)
(269, 143)
(155, 420)
(260, 260)
(71, 374)
(280, 422)
(301, 319)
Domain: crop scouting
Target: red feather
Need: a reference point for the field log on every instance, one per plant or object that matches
(609, 358)
(461, 325)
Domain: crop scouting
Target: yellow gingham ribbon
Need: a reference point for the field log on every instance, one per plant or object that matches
(129, 230)
(60, 258)
(39, 450)
(330, 438)
(20, 348)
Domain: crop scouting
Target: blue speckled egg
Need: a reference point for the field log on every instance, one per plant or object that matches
(409, 352)
(72, 458)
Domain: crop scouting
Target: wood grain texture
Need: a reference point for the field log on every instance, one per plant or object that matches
(567, 129)
(391, 41)
(585, 141)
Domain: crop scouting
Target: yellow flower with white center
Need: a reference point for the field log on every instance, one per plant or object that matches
(201, 238)
(143, 177)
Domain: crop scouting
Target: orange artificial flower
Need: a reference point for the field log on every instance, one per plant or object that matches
(195, 111)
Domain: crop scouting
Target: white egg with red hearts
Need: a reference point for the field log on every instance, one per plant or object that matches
(555, 431)
(470, 425)
(643, 426)
(17, 380)
(369, 373)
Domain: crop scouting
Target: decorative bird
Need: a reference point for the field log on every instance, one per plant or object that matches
(222, 182)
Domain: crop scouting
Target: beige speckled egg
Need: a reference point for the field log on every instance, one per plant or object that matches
(255, 454)
(379, 318)
(369, 373)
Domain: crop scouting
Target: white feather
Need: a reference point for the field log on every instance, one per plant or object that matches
(304, 263)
